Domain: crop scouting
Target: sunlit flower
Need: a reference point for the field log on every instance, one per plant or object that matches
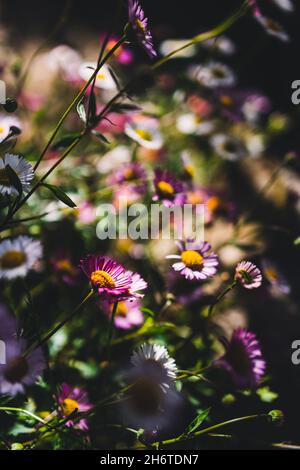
(275, 277)
(66, 60)
(145, 131)
(243, 359)
(22, 169)
(18, 256)
(20, 371)
(192, 124)
(72, 400)
(228, 147)
(170, 45)
(213, 75)
(104, 79)
(133, 175)
(128, 314)
(6, 124)
(248, 275)
(110, 280)
(168, 190)
(273, 28)
(195, 261)
(286, 5)
(154, 362)
(122, 55)
(139, 24)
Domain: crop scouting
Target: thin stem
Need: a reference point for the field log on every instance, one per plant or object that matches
(187, 373)
(26, 412)
(220, 297)
(60, 325)
(208, 430)
(78, 98)
(111, 329)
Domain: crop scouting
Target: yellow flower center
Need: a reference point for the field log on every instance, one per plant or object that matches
(4, 178)
(213, 203)
(16, 369)
(140, 25)
(122, 309)
(191, 258)
(2, 130)
(12, 259)
(69, 406)
(165, 188)
(102, 279)
(146, 135)
(226, 100)
(190, 170)
(271, 274)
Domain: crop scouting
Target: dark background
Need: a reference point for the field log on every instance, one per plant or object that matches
(263, 62)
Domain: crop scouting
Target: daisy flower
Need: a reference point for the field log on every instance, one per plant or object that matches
(273, 28)
(72, 399)
(153, 361)
(145, 132)
(285, 5)
(110, 280)
(65, 60)
(168, 190)
(18, 256)
(104, 79)
(133, 175)
(6, 124)
(139, 24)
(22, 169)
(170, 45)
(275, 277)
(243, 359)
(194, 260)
(20, 371)
(213, 75)
(128, 314)
(192, 124)
(248, 275)
(228, 147)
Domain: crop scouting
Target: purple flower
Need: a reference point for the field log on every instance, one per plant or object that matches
(110, 280)
(133, 175)
(243, 359)
(139, 24)
(20, 371)
(167, 189)
(128, 314)
(195, 261)
(71, 400)
(248, 275)
(275, 277)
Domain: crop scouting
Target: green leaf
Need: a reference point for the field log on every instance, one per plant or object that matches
(297, 241)
(66, 141)
(60, 195)
(115, 78)
(101, 137)
(124, 107)
(8, 145)
(194, 425)
(14, 179)
(266, 395)
(148, 312)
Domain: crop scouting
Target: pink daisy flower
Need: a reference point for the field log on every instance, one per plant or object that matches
(128, 314)
(73, 400)
(195, 261)
(243, 359)
(248, 275)
(110, 280)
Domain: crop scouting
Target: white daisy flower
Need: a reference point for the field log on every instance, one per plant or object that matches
(153, 361)
(104, 79)
(18, 256)
(272, 27)
(22, 169)
(228, 147)
(66, 60)
(6, 123)
(170, 45)
(221, 44)
(286, 5)
(145, 131)
(189, 123)
(213, 75)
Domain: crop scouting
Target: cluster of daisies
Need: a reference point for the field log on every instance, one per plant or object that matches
(159, 152)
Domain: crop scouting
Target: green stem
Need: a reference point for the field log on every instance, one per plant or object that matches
(187, 373)
(208, 430)
(26, 412)
(220, 297)
(207, 35)
(60, 325)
